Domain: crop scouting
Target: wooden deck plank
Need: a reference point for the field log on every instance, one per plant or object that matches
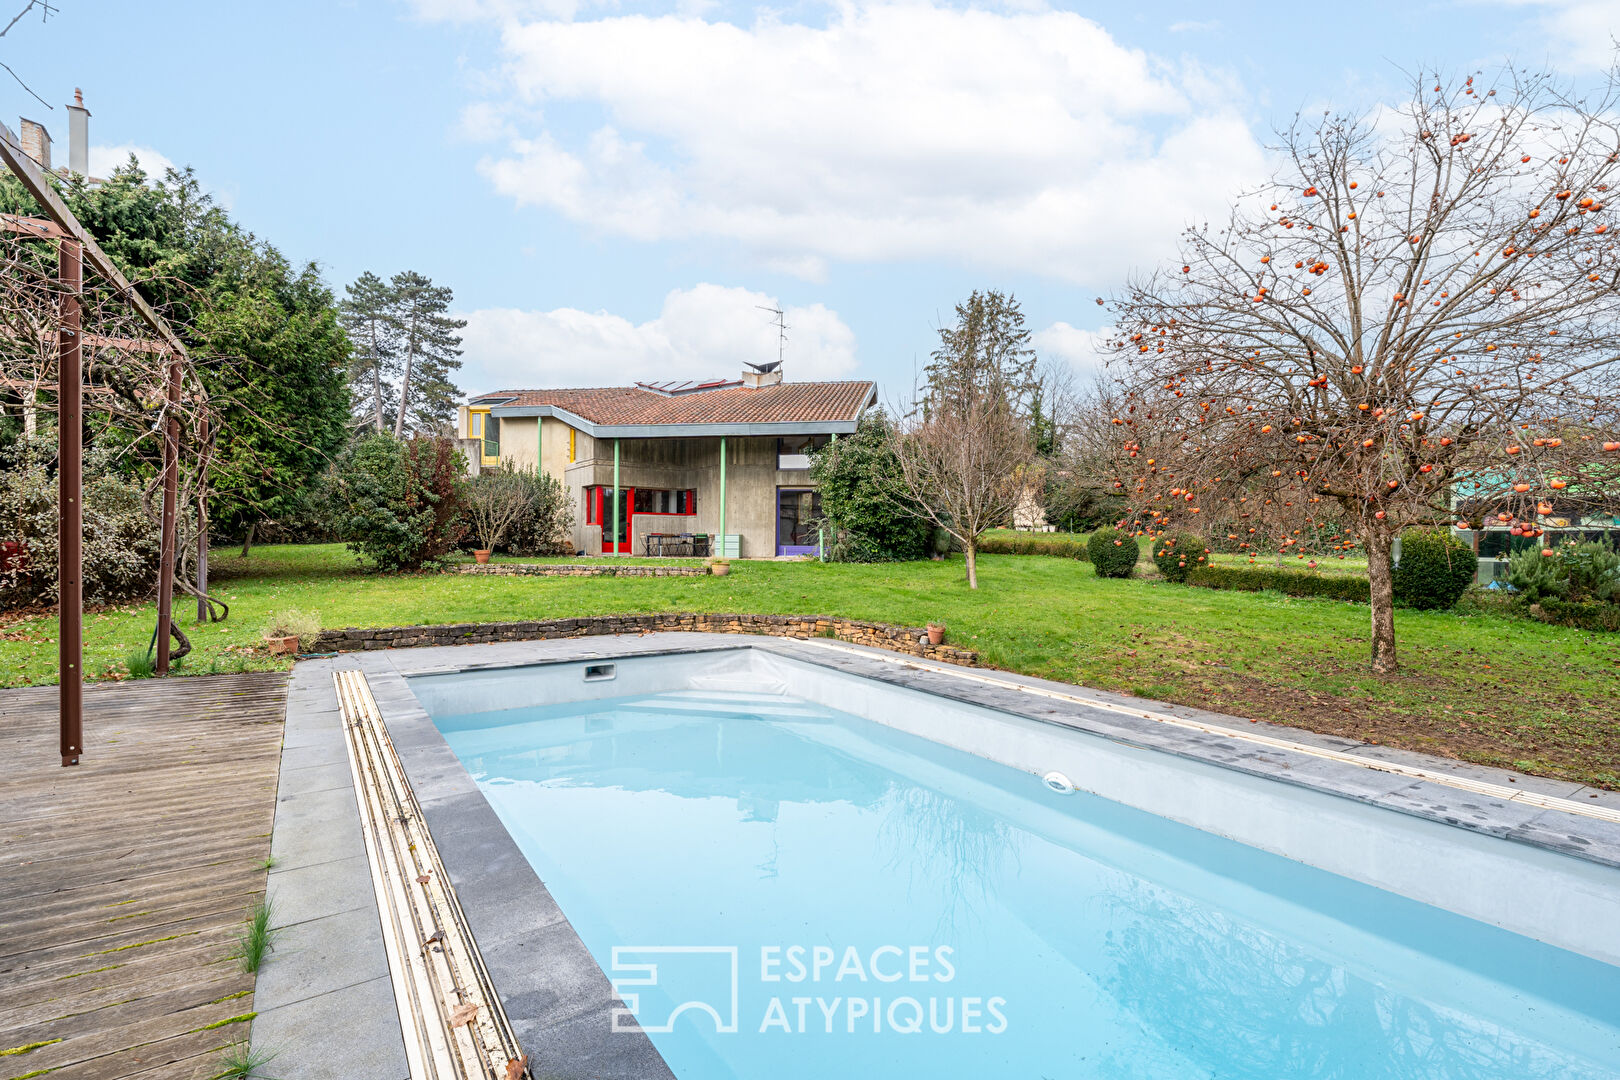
(125, 881)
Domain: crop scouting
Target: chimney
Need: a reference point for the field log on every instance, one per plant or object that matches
(758, 375)
(36, 143)
(78, 135)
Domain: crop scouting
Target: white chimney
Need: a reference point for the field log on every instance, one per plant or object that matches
(78, 135)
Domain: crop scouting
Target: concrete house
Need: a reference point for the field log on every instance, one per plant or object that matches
(653, 467)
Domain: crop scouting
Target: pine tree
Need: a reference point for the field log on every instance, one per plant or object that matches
(368, 315)
(987, 352)
(430, 350)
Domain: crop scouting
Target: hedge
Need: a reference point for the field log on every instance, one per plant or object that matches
(1587, 615)
(1034, 544)
(1290, 582)
(1435, 570)
(1177, 555)
(1113, 553)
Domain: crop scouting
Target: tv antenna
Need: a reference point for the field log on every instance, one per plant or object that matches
(780, 322)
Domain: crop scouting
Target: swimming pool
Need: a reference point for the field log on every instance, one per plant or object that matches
(787, 889)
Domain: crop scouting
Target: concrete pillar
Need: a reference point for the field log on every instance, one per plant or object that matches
(615, 494)
(721, 550)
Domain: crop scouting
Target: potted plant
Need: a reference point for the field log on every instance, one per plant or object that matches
(498, 501)
(719, 567)
(936, 633)
(289, 630)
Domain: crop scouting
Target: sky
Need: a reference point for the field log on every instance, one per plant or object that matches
(617, 190)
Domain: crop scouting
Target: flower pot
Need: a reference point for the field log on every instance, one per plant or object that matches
(719, 569)
(282, 646)
(482, 556)
(936, 634)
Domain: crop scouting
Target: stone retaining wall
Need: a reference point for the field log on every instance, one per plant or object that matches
(903, 639)
(565, 570)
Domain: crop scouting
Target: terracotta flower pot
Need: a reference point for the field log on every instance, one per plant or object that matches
(282, 646)
(482, 556)
(719, 569)
(936, 634)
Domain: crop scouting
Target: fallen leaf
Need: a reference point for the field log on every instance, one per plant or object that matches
(461, 1015)
(517, 1067)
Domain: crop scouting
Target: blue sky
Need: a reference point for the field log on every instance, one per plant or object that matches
(612, 189)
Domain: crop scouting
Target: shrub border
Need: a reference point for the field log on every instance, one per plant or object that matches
(1035, 544)
(1289, 582)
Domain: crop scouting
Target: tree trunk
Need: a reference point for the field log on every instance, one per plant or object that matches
(405, 381)
(1380, 580)
(376, 388)
(970, 552)
(247, 541)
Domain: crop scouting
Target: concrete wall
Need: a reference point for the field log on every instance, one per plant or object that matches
(554, 451)
(520, 441)
(751, 482)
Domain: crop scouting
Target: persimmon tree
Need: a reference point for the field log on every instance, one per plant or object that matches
(1420, 306)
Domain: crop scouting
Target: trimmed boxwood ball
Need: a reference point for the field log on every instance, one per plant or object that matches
(1113, 553)
(1177, 554)
(1435, 569)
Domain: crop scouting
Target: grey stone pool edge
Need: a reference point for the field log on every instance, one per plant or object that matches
(329, 954)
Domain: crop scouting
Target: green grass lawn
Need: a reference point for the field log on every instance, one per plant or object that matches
(1355, 565)
(1482, 687)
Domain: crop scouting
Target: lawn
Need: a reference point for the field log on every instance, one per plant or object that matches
(1481, 687)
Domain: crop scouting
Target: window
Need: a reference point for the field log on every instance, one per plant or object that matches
(475, 425)
(639, 501)
(793, 451)
(492, 440)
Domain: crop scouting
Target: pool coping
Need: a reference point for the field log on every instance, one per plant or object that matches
(561, 1008)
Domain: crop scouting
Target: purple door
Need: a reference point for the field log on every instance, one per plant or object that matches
(798, 516)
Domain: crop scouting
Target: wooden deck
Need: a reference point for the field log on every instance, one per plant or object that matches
(124, 881)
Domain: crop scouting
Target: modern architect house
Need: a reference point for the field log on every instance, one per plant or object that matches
(675, 466)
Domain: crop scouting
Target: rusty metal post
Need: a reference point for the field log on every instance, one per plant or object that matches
(70, 508)
(202, 524)
(171, 496)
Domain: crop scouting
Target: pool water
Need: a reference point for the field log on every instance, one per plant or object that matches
(894, 908)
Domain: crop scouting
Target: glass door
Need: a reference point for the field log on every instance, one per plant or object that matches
(798, 516)
(612, 544)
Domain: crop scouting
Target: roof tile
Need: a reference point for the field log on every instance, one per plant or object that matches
(783, 403)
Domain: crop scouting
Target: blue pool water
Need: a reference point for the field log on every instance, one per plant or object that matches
(869, 883)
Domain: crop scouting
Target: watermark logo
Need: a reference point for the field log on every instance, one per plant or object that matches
(801, 989)
(692, 978)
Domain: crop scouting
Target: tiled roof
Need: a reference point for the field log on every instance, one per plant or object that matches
(783, 403)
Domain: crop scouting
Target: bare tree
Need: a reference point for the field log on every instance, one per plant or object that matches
(1423, 304)
(497, 501)
(963, 468)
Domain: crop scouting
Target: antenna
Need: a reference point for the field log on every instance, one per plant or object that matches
(780, 322)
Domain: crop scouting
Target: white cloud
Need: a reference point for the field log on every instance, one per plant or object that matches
(899, 130)
(104, 159)
(1580, 32)
(1188, 26)
(1081, 349)
(707, 330)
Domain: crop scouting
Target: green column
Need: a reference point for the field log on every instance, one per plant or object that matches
(616, 533)
(721, 551)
